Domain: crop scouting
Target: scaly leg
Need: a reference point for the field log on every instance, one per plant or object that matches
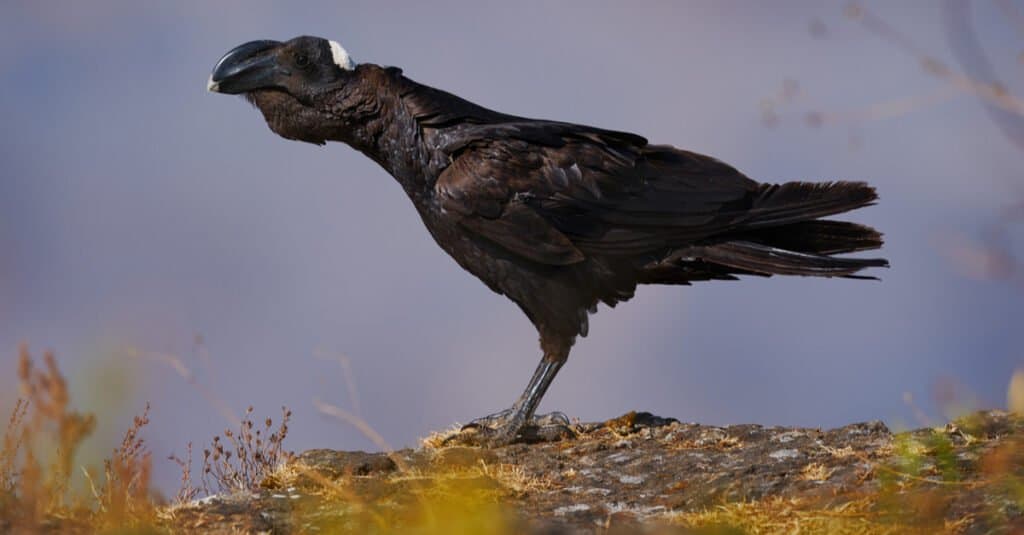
(518, 423)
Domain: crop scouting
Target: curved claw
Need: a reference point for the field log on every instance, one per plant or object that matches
(552, 419)
(492, 421)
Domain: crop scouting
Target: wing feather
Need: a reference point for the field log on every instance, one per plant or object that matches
(555, 192)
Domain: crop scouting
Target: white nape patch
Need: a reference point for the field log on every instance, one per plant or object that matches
(341, 57)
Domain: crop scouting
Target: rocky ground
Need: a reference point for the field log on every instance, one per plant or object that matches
(640, 473)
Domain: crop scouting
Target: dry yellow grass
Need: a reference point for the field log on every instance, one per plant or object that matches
(794, 516)
(516, 479)
(816, 472)
(438, 439)
(37, 462)
(124, 499)
(13, 438)
(449, 500)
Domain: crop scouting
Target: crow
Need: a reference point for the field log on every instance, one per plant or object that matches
(557, 217)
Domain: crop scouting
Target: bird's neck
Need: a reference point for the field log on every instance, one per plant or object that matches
(366, 112)
(372, 118)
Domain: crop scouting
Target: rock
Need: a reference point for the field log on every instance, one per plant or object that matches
(779, 455)
(641, 472)
(333, 463)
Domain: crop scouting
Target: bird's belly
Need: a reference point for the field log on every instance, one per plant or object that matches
(476, 256)
(555, 298)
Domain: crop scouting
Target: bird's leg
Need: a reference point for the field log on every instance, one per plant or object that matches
(518, 423)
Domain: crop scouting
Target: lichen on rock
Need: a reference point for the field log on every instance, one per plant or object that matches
(641, 472)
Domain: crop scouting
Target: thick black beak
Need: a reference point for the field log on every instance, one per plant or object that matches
(247, 67)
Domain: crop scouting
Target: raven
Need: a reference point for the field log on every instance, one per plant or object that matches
(557, 217)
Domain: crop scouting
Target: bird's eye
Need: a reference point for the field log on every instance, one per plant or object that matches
(302, 60)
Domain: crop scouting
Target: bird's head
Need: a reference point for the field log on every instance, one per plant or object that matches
(302, 67)
(285, 80)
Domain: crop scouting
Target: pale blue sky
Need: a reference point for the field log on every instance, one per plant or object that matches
(136, 209)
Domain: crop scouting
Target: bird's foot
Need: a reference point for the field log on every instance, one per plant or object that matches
(506, 419)
(504, 428)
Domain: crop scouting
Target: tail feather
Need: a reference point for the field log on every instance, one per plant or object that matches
(792, 202)
(783, 235)
(822, 236)
(768, 260)
(780, 233)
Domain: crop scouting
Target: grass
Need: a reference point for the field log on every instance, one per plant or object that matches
(438, 439)
(244, 457)
(124, 499)
(39, 470)
(456, 500)
(40, 442)
(915, 487)
(779, 515)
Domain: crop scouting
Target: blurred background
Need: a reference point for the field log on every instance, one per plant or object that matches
(169, 248)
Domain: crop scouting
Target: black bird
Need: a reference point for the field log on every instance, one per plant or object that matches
(557, 217)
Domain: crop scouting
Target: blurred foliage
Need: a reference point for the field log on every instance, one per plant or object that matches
(38, 462)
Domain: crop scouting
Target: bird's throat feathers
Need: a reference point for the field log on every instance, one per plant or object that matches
(331, 115)
(291, 119)
(355, 112)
